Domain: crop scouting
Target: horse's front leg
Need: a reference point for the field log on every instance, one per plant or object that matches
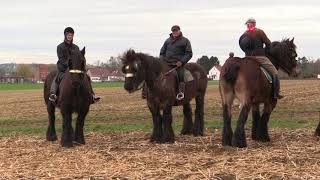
(168, 133)
(79, 135)
(262, 132)
(67, 131)
(239, 137)
(156, 136)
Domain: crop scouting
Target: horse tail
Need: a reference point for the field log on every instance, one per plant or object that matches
(231, 73)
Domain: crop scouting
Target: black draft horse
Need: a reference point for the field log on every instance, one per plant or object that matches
(161, 83)
(74, 97)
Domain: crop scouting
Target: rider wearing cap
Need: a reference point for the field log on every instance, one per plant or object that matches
(177, 51)
(252, 43)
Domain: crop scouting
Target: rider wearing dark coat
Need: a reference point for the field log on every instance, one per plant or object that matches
(177, 51)
(63, 49)
(252, 42)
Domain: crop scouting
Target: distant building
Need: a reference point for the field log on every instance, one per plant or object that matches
(214, 73)
(12, 79)
(318, 76)
(99, 74)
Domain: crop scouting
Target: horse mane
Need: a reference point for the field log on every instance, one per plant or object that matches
(278, 45)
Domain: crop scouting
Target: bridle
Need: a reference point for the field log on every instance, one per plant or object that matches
(76, 71)
(280, 65)
(131, 75)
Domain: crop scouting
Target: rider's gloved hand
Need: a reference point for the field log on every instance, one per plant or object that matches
(178, 63)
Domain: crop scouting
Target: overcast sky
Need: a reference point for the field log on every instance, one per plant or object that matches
(31, 30)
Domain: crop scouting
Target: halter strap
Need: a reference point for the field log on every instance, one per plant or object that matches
(76, 71)
(129, 75)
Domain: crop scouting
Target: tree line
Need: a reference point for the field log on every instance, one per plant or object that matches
(309, 68)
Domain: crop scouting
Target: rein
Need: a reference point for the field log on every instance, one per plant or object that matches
(281, 66)
(170, 71)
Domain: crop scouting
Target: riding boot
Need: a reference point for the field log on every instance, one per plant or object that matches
(182, 87)
(144, 92)
(53, 90)
(276, 87)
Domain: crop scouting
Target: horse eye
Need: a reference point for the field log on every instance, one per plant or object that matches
(125, 68)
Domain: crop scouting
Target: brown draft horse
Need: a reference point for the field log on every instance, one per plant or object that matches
(242, 78)
(162, 86)
(74, 96)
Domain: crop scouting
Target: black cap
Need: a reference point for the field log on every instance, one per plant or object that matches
(175, 27)
(68, 30)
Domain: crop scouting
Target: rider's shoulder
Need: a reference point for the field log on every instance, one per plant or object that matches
(75, 46)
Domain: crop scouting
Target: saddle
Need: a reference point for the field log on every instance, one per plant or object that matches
(187, 76)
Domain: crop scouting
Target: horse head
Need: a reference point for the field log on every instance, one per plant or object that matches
(284, 55)
(134, 70)
(76, 65)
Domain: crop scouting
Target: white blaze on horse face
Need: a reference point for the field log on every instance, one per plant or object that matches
(127, 67)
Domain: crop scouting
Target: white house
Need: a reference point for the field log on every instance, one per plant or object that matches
(214, 72)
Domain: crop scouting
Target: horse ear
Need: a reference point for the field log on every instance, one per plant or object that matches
(292, 40)
(132, 52)
(83, 51)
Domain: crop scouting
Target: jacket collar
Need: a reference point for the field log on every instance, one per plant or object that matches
(174, 39)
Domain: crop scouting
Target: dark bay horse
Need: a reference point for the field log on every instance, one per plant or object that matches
(161, 83)
(74, 96)
(242, 78)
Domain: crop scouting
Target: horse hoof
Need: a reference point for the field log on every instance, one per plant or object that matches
(79, 142)
(197, 133)
(263, 139)
(186, 132)
(67, 144)
(317, 133)
(155, 140)
(226, 142)
(239, 143)
(52, 138)
(168, 140)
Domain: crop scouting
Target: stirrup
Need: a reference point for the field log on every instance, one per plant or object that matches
(53, 98)
(180, 96)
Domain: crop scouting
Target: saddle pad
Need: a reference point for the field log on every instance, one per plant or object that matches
(266, 74)
(188, 76)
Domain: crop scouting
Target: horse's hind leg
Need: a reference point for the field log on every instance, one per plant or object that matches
(79, 135)
(255, 121)
(67, 131)
(239, 137)
(227, 96)
(187, 119)
(168, 134)
(51, 131)
(199, 112)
